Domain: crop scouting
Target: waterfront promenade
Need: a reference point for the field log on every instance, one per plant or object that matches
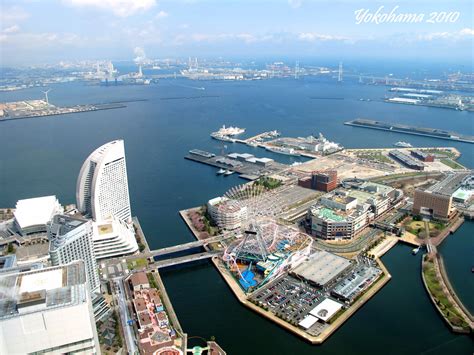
(442, 295)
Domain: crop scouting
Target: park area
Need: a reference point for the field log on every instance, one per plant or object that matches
(417, 227)
(438, 294)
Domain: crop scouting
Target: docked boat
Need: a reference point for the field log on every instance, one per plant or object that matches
(220, 171)
(416, 250)
(403, 145)
(221, 137)
(228, 172)
(282, 150)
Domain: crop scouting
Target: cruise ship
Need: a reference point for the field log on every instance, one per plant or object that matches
(281, 150)
(403, 145)
(221, 137)
(230, 131)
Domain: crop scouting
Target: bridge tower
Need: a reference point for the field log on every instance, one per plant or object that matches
(340, 72)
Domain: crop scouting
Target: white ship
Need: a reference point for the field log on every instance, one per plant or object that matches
(221, 137)
(403, 145)
(220, 171)
(281, 150)
(228, 172)
(230, 131)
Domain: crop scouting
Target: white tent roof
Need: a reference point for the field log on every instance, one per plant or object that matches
(36, 211)
(308, 321)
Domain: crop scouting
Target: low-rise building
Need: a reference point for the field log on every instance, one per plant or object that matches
(139, 281)
(226, 213)
(342, 213)
(423, 156)
(113, 238)
(324, 180)
(33, 214)
(406, 160)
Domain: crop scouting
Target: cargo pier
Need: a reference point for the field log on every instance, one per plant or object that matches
(418, 131)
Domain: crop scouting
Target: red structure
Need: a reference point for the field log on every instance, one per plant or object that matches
(324, 180)
(305, 182)
(426, 157)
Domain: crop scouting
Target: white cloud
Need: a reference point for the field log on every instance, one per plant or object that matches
(313, 37)
(41, 40)
(10, 15)
(122, 8)
(161, 14)
(295, 3)
(456, 35)
(467, 32)
(11, 29)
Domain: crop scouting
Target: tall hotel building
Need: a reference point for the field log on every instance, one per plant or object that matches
(102, 185)
(70, 239)
(102, 194)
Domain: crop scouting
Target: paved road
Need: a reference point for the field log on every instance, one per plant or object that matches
(124, 316)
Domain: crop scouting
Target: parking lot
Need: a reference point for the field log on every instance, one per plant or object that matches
(288, 298)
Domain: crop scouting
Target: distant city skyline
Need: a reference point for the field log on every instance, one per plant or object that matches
(34, 32)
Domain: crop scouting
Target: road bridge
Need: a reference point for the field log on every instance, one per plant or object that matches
(172, 249)
(181, 260)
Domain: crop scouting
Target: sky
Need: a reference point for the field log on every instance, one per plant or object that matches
(47, 31)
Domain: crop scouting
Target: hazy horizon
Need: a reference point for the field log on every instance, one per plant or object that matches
(34, 32)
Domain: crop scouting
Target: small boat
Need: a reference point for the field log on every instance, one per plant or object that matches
(220, 171)
(416, 250)
(228, 172)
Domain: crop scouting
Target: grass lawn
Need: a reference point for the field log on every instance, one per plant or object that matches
(137, 264)
(444, 152)
(418, 227)
(451, 163)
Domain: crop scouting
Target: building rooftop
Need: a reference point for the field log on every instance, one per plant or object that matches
(139, 278)
(322, 267)
(38, 290)
(35, 211)
(63, 224)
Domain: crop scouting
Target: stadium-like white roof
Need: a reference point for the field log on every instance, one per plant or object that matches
(36, 211)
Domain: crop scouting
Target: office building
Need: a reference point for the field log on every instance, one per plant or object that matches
(434, 204)
(102, 185)
(47, 311)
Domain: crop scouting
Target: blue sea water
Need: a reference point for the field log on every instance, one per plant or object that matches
(43, 156)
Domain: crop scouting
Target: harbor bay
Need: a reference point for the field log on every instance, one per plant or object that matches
(162, 182)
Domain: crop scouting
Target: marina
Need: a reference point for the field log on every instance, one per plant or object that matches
(419, 131)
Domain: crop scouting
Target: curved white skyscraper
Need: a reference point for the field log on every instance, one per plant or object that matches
(102, 185)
